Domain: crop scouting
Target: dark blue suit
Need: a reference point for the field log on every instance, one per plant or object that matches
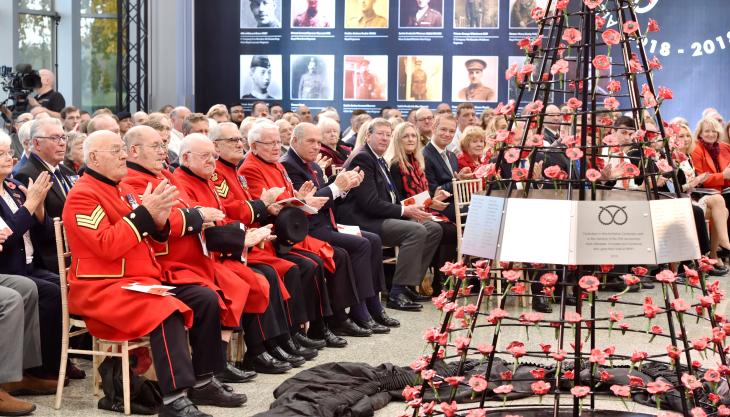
(13, 261)
(365, 253)
(439, 176)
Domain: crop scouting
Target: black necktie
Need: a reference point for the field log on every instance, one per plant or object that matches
(61, 181)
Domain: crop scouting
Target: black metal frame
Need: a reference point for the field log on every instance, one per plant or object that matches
(132, 55)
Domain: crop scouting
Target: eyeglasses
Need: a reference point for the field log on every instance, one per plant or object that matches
(230, 140)
(117, 150)
(9, 153)
(424, 118)
(55, 138)
(156, 147)
(381, 133)
(206, 155)
(275, 143)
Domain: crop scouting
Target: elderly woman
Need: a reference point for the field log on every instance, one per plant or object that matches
(22, 211)
(407, 170)
(332, 147)
(710, 155)
(74, 158)
(473, 143)
(219, 113)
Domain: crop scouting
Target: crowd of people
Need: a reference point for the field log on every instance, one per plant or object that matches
(208, 204)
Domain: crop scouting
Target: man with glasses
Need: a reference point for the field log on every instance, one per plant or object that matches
(424, 124)
(375, 206)
(48, 148)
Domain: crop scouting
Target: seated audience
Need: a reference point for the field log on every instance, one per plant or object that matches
(473, 149)
(332, 147)
(74, 158)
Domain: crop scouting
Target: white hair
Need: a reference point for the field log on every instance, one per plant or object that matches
(187, 144)
(326, 122)
(258, 129)
(5, 138)
(90, 142)
(217, 131)
(37, 127)
(24, 133)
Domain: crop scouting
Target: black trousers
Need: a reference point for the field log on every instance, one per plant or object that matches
(312, 286)
(365, 258)
(702, 235)
(271, 323)
(49, 315)
(169, 341)
(445, 252)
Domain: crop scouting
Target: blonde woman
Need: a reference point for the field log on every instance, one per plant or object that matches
(219, 113)
(710, 155)
(473, 145)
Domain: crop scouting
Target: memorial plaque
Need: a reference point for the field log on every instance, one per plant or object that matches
(614, 232)
(483, 226)
(538, 231)
(674, 230)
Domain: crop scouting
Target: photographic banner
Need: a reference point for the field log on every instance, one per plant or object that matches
(366, 54)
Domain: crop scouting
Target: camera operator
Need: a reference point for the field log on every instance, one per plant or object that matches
(46, 97)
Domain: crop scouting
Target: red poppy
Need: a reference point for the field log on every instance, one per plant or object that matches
(549, 279)
(462, 343)
(519, 174)
(580, 391)
(523, 43)
(712, 375)
(614, 86)
(517, 349)
(478, 383)
(511, 72)
(574, 103)
(602, 62)
(572, 36)
(534, 107)
(631, 170)
(664, 166)
(589, 283)
(560, 66)
(653, 26)
(485, 349)
(573, 317)
(454, 381)
(597, 356)
(573, 153)
(679, 305)
(552, 173)
(537, 13)
(449, 410)
(698, 412)
(691, 382)
(512, 155)
(665, 93)
(658, 387)
(485, 170)
(621, 390)
(503, 389)
(611, 37)
(655, 64)
(612, 104)
(649, 100)
(600, 22)
(638, 356)
(559, 356)
(666, 276)
(615, 316)
(630, 27)
(506, 375)
(540, 387)
(639, 270)
(562, 4)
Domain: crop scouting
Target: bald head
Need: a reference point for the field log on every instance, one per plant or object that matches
(140, 117)
(178, 115)
(102, 122)
(48, 80)
(198, 154)
(552, 117)
(146, 148)
(105, 153)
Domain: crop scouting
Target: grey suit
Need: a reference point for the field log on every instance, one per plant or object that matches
(20, 346)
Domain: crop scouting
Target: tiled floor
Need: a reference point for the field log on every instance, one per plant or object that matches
(400, 347)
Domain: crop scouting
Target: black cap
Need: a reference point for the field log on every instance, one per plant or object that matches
(124, 115)
(260, 61)
(228, 240)
(291, 227)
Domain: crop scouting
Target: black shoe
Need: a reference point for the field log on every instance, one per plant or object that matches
(371, 325)
(540, 304)
(718, 271)
(74, 372)
(309, 342)
(264, 363)
(384, 319)
(402, 302)
(231, 374)
(349, 328)
(330, 338)
(182, 407)
(216, 394)
(414, 296)
(293, 348)
(279, 354)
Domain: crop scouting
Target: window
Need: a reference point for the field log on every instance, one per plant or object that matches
(98, 53)
(36, 33)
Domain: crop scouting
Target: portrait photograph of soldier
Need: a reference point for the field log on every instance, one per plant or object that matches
(366, 77)
(312, 77)
(421, 13)
(420, 78)
(481, 14)
(362, 14)
(520, 13)
(260, 14)
(481, 75)
(313, 14)
(260, 77)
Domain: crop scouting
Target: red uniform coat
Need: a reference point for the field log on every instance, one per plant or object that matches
(703, 162)
(182, 256)
(259, 175)
(109, 238)
(203, 193)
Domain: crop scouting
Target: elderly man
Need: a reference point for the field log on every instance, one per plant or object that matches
(262, 170)
(553, 121)
(232, 190)
(195, 123)
(21, 139)
(375, 207)
(424, 124)
(304, 114)
(365, 251)
(48, 148)
(466, 116)
(46, 97)
(285, 129)
(113, 232)
(184, 258)
(442, 164)
(267, 335)
(71, 116)
(177, 117)
(140, 118)
(102, 122)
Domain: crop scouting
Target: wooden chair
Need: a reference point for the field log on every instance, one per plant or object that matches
(463, 191)
(100, 348)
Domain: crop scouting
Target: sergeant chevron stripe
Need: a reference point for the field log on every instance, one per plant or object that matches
(222, 189)
(92, 221)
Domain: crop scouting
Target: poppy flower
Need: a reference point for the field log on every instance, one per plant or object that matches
(572, 36)
(722, 410)
(540, 387)
(589, 283)
(511, 155)
(478, 383)
(602, 62)
(562, 5)
(573, 153)
(679, 305)
(534, 107)
(711, 375)
(615, 316)
(449, 409)
(592, 4)
(559, 67)
(517, 349)
(552, 173)
(664, 166)
(600, 22)
(549, 279)
(639, 270)
(477, 412)
(621, 390)
(697, 412)
(630, 27)
(511, 72)
(506, 375)
(503, 389)
(573, 317)
(691, 382)
(612, 104)
(649, 99)
(519, 174)
(614, 86)
(511, 275)
(535, 140)
(658, 387)
(650, 310)
(538, 373)
(527, 69)
(666, 276)
(462, 343)
(638, 356)
(635, 381)
(631, 170)
(655, 64)
(574, 103)
(537, 13)
(428, 374)
(559, 356)
(611, 37)
(665, 93)
(653, 26)
(597, 356)
(630, 279)
(454, 381)
(485, 170)
(531, 318)
(580, 391)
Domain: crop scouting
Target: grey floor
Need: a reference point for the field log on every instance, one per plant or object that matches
(401, 347)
